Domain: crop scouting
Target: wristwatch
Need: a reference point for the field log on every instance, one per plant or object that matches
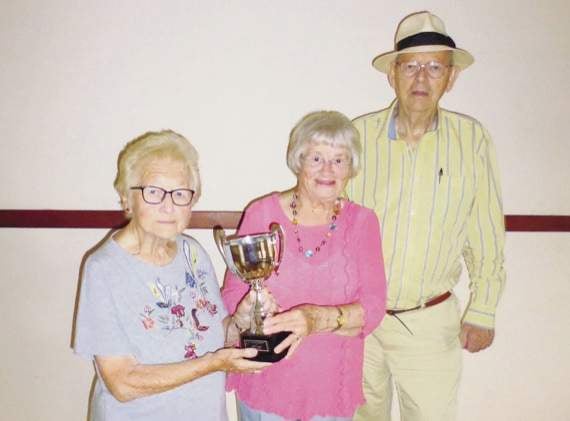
(340, 319)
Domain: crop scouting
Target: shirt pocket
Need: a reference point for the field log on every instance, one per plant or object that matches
(452, 200)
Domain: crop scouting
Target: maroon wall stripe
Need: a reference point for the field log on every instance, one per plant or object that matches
(548, 223)
(19, 218)
(36, 218)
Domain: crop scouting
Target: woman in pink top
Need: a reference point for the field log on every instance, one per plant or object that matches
(330, 287)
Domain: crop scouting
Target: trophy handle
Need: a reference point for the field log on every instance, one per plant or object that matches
(277, 228)
(220, 239)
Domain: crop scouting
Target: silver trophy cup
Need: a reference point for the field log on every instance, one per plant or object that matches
(253, 258)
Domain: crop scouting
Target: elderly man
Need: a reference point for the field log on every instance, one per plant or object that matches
(431, 176)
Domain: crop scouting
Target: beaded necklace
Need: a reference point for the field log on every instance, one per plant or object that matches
(332, 226)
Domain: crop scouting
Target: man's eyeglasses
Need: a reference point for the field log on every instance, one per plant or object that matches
(434, 69)
(316, 160)
(154, 195)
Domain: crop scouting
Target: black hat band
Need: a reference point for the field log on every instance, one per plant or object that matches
(425, 38)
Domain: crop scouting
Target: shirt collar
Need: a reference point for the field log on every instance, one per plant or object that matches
(393, 133)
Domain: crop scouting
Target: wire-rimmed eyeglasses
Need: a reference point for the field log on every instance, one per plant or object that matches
(154, 195)
(316, 160)
(434, 69)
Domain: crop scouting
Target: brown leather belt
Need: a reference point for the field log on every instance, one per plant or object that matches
(436, 300)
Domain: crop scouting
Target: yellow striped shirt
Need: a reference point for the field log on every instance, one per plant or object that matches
(436, 202)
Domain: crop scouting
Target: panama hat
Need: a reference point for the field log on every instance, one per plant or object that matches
(420, 33)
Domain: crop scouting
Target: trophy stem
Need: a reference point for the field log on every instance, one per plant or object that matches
(257, 312)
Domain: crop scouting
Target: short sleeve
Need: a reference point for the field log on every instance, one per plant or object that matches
(98, 330)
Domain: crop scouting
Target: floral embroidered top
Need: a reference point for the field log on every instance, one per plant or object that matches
(324, 376)
(158, 314)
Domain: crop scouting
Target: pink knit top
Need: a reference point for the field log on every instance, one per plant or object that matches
(324, 376)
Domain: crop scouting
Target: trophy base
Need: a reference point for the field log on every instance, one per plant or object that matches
(265, 344)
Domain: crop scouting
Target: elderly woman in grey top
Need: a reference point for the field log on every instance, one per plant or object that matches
(150, 314)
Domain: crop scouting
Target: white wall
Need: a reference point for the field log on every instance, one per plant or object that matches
(79, 79)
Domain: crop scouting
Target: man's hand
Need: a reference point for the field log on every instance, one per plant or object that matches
(475, 339)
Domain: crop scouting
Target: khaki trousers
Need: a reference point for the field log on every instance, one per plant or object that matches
(424, 367)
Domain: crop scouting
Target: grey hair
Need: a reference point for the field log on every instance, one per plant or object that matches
(150, 146)
(324, 127)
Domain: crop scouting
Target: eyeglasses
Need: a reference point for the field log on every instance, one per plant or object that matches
(316, 160)
(434, 69)
(154, 195)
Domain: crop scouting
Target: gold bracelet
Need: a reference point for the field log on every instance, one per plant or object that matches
(340, 319)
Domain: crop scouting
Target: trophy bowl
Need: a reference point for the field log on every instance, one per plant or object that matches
(253, 258)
